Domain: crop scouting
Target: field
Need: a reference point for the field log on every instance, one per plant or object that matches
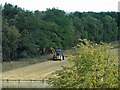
(40, 68)
(38, 71)
(25, 84)
(30, 61)
(24, 62)
(32, 69)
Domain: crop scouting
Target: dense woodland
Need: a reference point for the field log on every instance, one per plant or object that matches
(26, 33)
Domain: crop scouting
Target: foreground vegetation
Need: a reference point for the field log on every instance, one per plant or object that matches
(94, 66)
(27, 34)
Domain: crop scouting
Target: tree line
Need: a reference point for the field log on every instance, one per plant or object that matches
(26, 33)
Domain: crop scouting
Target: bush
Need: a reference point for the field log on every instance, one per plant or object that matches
(94, 66)
(23, 54)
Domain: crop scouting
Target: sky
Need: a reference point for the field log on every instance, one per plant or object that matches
(66, 5)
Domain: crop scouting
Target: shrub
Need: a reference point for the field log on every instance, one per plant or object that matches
(23, 54)
(94, 66)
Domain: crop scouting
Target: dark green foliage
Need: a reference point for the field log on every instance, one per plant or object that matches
(10, 11)
(27, 33)
(110, 29)
(27, 45)
(10, 41)
(96, 27)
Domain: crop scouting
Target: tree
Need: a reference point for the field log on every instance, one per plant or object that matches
(88, 27)
(10, 41)
(54, 28)
(94, 66)
(9, 12)
(62, 25)
(27, 46)
(110, 29)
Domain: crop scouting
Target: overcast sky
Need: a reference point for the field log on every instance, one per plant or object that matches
(66, 5)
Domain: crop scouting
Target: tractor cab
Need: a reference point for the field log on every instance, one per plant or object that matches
(59, 54)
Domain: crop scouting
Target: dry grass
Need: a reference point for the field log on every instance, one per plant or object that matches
(24, 84)
(116, 44)
(24, 62)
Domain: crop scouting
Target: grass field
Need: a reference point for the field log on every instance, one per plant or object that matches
(25, 62)
(25, 84)
(38, 71)
(116, 48)
(116, 44)
(38, 68)
(7, 66)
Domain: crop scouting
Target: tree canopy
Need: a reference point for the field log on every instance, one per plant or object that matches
(26, 33)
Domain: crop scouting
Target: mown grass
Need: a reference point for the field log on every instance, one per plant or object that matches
(25, 85)
(29, 61)
(24, 62)
(116, 47)
(116, 44)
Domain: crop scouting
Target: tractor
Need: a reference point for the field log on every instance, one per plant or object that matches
(57, 55)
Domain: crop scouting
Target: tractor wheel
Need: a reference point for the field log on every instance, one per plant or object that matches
(63, 57)
(54, 57)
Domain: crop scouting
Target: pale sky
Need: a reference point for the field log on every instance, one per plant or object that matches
(66, 5)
